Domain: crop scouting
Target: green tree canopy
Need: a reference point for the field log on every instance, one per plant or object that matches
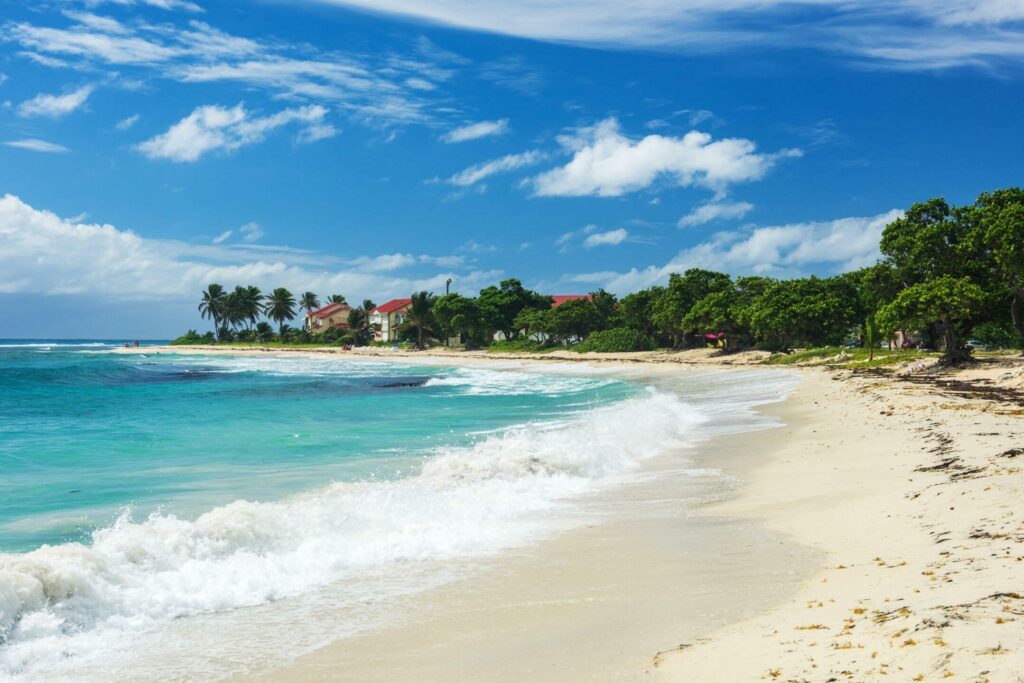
(500, 305)
(280, 306)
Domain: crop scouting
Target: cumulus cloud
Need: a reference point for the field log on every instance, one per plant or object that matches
(474, 174)
(41, 253)
(715, 211)
(606, 163)
(609, 238)
(36, 145)
(55, 106)
(473, 131)
(782, 250)
(211, 127)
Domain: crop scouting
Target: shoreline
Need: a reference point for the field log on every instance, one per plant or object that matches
(906, 493)
(589, 603)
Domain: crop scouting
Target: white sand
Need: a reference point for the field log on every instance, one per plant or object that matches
(842, 558)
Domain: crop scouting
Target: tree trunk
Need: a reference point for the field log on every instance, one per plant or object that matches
(953, 353)
(1015, 313)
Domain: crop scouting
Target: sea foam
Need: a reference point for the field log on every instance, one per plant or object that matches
(74, 603)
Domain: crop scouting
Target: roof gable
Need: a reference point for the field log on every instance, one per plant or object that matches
(392, 306)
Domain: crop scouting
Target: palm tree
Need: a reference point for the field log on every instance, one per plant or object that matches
(280, 306)
(309, 302)
(234, 307)
(368, 305)
(336, 299)
(420, 317)
(253, 304)
(264, 331)
(359, 323)
(213, 305)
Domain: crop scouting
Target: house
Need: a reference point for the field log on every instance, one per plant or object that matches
(385, 319)
(328, 317)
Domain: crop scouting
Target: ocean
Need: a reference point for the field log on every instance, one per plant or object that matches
(156, 505)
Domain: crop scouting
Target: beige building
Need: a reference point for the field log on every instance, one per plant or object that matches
(385, 319)
(328, 317)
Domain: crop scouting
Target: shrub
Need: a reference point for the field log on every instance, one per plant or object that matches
(516, 346)
(192, 337)
(617, 340)
(996, 335)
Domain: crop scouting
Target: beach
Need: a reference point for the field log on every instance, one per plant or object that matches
(875, 533)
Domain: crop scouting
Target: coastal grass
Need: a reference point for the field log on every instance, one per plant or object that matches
(836, 355)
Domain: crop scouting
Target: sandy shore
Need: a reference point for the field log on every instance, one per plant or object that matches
(878, 535)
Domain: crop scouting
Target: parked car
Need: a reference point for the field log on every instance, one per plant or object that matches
(975, 345)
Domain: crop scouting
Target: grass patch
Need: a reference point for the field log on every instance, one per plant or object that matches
(827, 355)
(519, 346)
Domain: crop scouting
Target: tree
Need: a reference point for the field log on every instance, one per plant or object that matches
(280, 306)
(359, 324)
(500, 305)
(213, 306)
(309, 301)
(253, 304)
(456, 313)
(637, 310)
(683, 291)
(810, 310)
(419, 319)
(336, 299)
(234, 307)
(606, 308)
(717, 313)
(945, 298)
(875, 285)
(933, 249)
(368, 305)
(1000, 220)
(264, 332)
(573, 321)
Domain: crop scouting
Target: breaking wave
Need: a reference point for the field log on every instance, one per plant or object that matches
(77, 601)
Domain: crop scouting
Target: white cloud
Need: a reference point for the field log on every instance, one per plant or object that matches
(783, 251)
(609, 238)
(510, 162)
(920, 34)
(606, 163)
(381, 89)
(251, 231)
(222, 237)
(385, 262)
(128, 122)
(473, 131)
(162, 4)
(36, 145)
(3, 78)
(211, 127)
(711, 211)
(55, 106)
(41, 253)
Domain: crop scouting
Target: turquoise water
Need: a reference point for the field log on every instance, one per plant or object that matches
(160, 513)
(86, 433)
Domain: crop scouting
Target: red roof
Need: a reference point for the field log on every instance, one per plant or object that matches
(559, 299)
(392, 306)
(327, 310)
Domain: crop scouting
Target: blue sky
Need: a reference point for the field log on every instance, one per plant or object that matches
(148, 147)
